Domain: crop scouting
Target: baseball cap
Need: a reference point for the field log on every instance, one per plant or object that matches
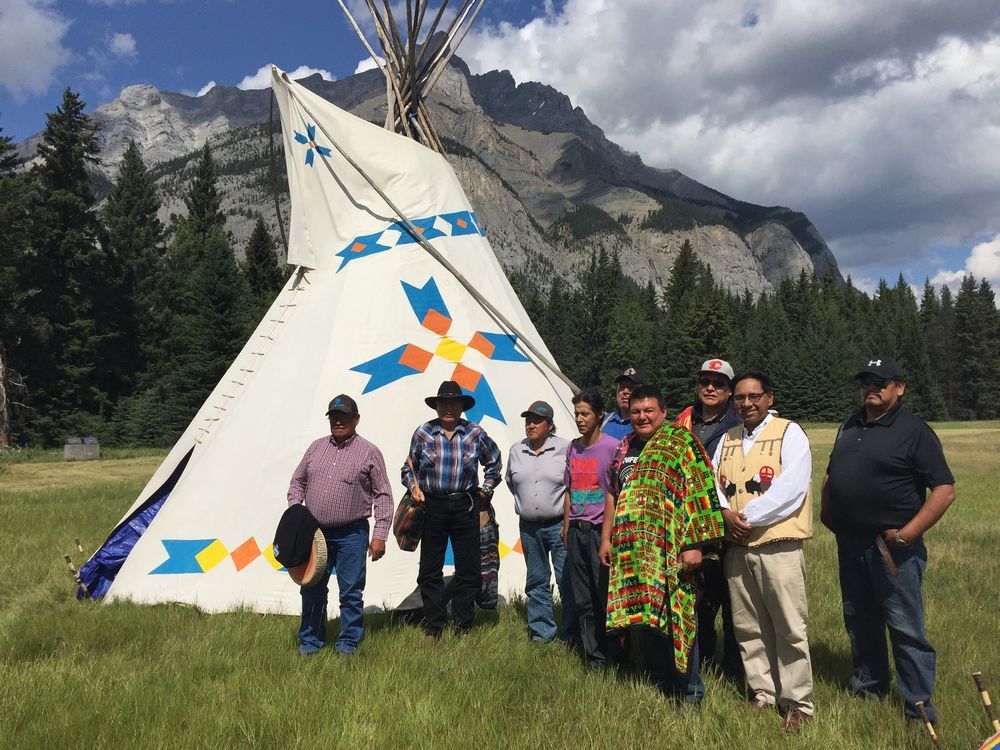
(343, 404)
(719, 366)
(634, 374)
(880, 366)
(539, 409)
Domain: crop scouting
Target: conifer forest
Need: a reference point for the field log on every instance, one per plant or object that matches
(116, 325)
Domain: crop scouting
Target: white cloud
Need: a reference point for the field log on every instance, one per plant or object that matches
(262, 78)
(879, 120)
(31, 45)
(983, 263)
(123, 45)
(206, 88)
(366, 63)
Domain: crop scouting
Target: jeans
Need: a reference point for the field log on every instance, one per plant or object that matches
(539, 539)
(588, 582)
(652, 654)
(459, 520)
(874, 601)
(346, 547)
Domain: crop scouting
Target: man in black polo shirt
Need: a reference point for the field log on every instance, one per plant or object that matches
(875, 500)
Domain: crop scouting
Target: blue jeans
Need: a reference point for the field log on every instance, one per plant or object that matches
(347, 547)
(539, 539)
(653, 657)
(874, 601)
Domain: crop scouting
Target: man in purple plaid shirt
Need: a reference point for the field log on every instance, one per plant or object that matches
(340, 479)
(442, 470)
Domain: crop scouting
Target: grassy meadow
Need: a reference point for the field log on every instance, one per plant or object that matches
(91, 675)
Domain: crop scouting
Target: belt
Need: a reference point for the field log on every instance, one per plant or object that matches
(585, 526)
(543, 521)
(452, 497)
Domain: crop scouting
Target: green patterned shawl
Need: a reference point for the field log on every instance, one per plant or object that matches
(668, 503)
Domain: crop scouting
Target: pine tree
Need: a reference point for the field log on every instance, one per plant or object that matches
(203, 201)
(74, 278)
(135, 239)
(946, 366)
(264, 273)
(16, 192)
(203, 303)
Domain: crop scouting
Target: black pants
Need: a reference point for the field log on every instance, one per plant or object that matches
(712, 597)
(588, 582)
(459, 521)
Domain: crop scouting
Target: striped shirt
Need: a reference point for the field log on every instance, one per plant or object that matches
(341, 484)
(446, 466)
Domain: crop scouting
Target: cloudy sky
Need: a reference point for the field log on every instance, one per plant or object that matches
(880, 120)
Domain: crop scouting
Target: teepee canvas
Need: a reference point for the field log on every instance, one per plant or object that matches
(397, 290)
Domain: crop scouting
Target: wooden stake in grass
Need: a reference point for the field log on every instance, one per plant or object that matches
(991, 715)
(76, 576)
(927, 724)
(79, 547)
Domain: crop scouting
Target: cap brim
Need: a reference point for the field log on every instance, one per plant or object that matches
(535, 414)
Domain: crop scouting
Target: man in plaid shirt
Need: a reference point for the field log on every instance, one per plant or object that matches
(340, 479)
(442, 470)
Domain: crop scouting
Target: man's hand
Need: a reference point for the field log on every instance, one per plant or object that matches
(564, 531)
(737, 527)
(893, 538)
(416, 493)
(690, 559)
(376, 549)
(605, 554)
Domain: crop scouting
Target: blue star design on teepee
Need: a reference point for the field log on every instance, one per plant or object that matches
(310, 140)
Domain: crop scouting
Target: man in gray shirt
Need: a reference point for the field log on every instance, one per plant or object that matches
(535, 471)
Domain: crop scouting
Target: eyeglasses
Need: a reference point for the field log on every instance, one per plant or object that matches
(876, 383)
(716, 384)
(753, 398)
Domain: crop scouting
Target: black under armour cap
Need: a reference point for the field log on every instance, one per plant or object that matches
(880, 366)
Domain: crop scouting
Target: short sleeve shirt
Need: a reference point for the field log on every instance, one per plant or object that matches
(880, 471)
(588, 477)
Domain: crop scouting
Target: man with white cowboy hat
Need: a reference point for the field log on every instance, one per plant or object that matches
(442, 470)
(340, 479)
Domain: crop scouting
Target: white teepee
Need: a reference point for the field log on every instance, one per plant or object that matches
(397, 290)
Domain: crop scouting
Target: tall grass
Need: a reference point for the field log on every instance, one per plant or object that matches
(79, 674)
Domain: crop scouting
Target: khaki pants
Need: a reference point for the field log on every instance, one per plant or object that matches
(767, 585)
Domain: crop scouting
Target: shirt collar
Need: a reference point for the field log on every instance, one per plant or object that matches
(548, 445)
(885, 420)
(758, 428)
(346, 444)
(617, 417)
(437, 429)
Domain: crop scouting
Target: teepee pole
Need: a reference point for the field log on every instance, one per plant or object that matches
(415, 233)
(453, 48)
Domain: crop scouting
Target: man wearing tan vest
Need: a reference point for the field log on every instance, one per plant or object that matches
(764, 471)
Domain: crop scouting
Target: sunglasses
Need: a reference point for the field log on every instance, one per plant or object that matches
(753, 398)
(717, 383)
(872, 382)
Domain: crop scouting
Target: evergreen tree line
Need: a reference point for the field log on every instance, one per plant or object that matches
(115, 325)
(811, 336)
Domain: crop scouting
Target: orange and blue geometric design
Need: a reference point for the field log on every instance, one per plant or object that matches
(409, 359)
(455, 224)
(993, 743)
(201, 555)
(310, 140)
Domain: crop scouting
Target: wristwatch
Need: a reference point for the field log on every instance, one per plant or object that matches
(899, 541)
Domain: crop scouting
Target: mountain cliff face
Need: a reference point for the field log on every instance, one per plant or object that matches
(548, 185)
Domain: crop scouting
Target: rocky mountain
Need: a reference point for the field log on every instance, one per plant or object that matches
(546, 182)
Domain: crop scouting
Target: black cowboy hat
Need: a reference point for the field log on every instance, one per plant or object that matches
(451, 389)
